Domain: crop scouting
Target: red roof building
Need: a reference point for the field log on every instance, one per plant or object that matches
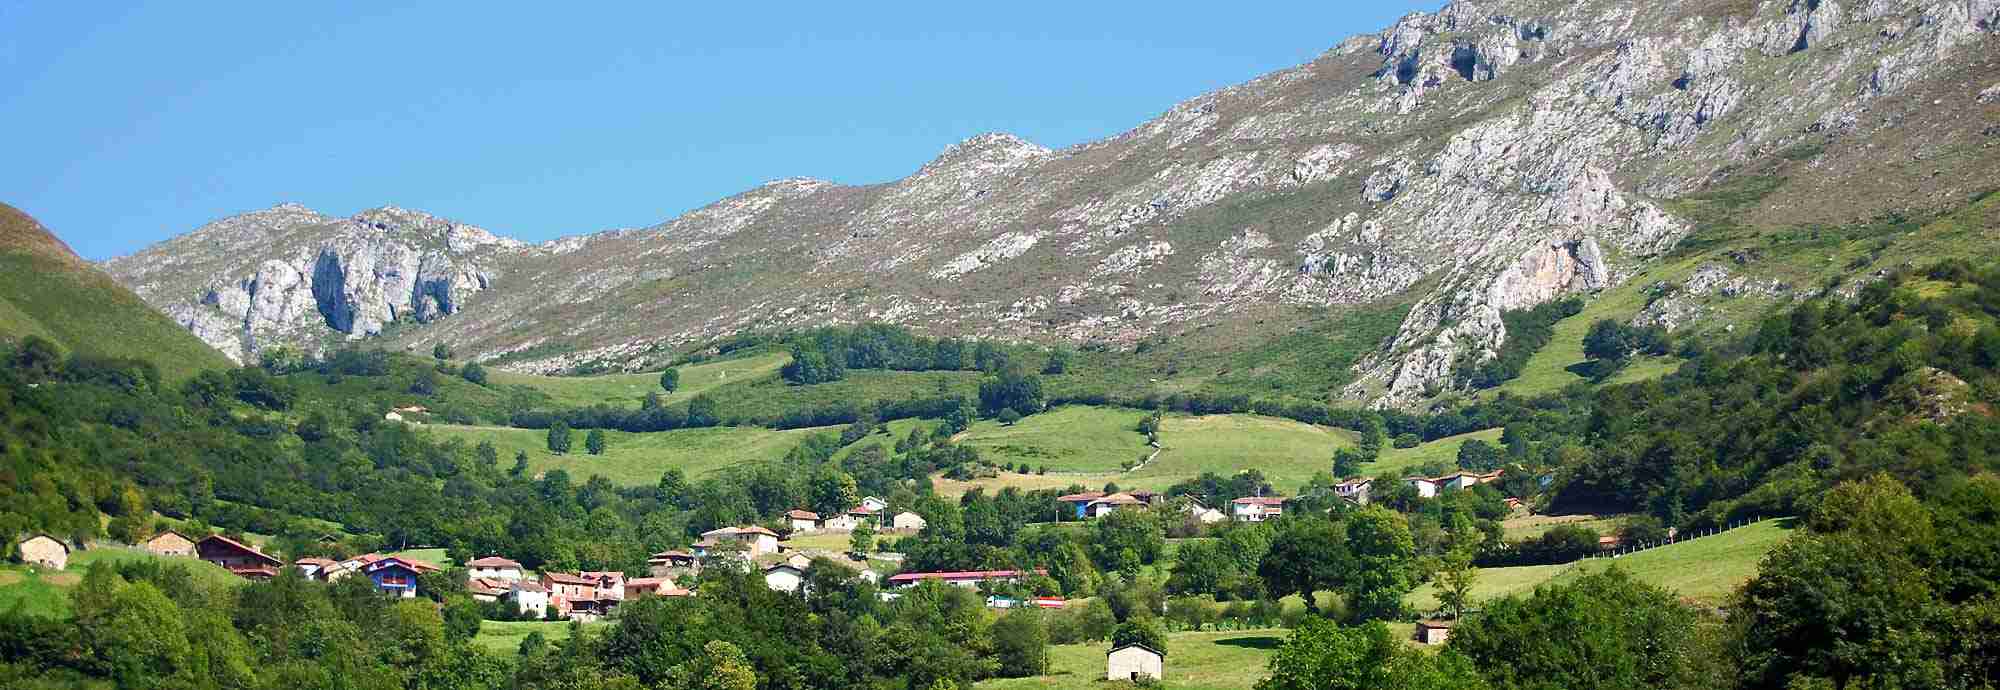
(967, 578)
(238, 558)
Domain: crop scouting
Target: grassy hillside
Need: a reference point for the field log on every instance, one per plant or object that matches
(636, 459)
(47, 291)
(626, 390)
(1400, 461)
(504, 637)
(1195, 661)
(1707, 569)
(1085, 445)
(46, 593)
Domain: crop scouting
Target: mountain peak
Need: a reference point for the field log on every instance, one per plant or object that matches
(20, 231)
(986, 152)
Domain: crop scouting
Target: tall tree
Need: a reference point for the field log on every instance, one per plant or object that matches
(1306, 556)
(559, 437)
(670, 380)
(594, 442)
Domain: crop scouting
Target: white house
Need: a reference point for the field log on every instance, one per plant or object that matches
(1355, 490)
(784, 577)
(1132, 662)
(1426, 487)
(493, 568)
(873, 504)
(756, 541)
(1256, 508)
(1110, 504)
(802, 520)
(909, 521)
(1458, 480)
(529, 597)
(44, 551)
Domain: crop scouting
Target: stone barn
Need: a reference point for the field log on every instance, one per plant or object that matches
(170, 543)
(44, 551)
(1132, 662)
(1433, 632)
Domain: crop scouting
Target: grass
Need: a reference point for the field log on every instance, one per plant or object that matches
(1706, 569)
(1532, 526)
(636, 459)
(504, 637)
(46, 593)
(1071, 439)
(1086, 445)
(46, 291)
(627, 390)
(1399, 461)
(1195, 661)
(433, 556)
(767, 397)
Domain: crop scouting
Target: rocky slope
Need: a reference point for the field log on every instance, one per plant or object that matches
(1490, 156)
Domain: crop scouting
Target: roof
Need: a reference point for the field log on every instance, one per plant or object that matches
(480, 585)
(961, 575)
(1085, 496)
(784, 566)
(1260, 500)
(802, 515)
(255, 571)
(568, 579)
(1118, 500)
(527, 586)
(1357, 481)
(644, 582)
(387, 561)
(1437, 624)
(601, 574)
(322, 563)
(167, 532)
(240, 546)
(1135, 645)
(736, 531)
(669, 555)
(45, 535)
(861, 510)
(1426, 480)
(493, 562)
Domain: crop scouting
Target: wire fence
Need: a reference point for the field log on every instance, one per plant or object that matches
(1675, 538)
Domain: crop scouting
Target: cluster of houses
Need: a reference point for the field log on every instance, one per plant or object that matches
(871, 512)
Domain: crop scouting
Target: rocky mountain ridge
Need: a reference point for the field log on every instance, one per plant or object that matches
(1490, 156)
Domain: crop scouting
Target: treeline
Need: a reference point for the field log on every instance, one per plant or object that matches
(702, 411)
(825, 354)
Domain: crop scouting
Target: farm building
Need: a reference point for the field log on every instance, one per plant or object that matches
(238, 558)
(1134, 661)
(1433, 632)
(802, 520)
(44, 551)
(969, 578)
(907, 520)
(784, 577)
(1257, 508)
(170, 543)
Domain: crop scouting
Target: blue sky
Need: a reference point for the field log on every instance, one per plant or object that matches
(128, 124)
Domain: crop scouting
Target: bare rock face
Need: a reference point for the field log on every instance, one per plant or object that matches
(1497, 153)
(288, 275)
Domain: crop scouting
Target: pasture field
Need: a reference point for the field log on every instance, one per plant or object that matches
(1086, 446)
(1400, 461)
(635, 459)
(1706, 569)
(626, 390)
(46, 592)
(1195, 661)
(504, 637)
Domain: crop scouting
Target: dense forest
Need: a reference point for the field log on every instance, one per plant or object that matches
(1868, 417)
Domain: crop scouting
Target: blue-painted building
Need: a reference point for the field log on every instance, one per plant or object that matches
(394, 576)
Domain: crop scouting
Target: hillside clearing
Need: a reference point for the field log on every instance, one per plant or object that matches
(1706, 569)
(1086, 445)
(627, 390)
(1399, 461)
(636, 459)
(46, 592)
(1195, 661)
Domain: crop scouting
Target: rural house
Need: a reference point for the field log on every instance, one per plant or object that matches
(802, 520)
(238, 558)
(907, 520)
(1355, 490)
(1111, 503)
(969, 578)
(873, 504)
(653, 587)
(577, 597)
(529, 597)
(1132, 662)
(394, 576)
(1081, 502)
(1425, 486)
(756, 541)
(170, 543)
(493, 568)
(1256, 508)
(610, 584)
(664, 563)
(44, 551)
(1433, 632)
(314, 567)
(784, 577)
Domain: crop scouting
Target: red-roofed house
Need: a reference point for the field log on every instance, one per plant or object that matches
(968, 578)
(802, 520)
(237, 557)
(1256, 508)
(494, 567)
(1081, 502)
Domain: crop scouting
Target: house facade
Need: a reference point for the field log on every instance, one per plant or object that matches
(44, 551)
(1133, 662)
(1256, 508)
(1425, 486)
(237, 557)
(784, 577)
(494, 568)
(907, 520)
(968, 578)
(529, 597)
(1356, 490)
(873, 504)
(315, 568)
(170, 543)
(1106, 505)
(1433, 632)
(1080, 503)
(802, 520)
(755, 541)
(393, 576)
